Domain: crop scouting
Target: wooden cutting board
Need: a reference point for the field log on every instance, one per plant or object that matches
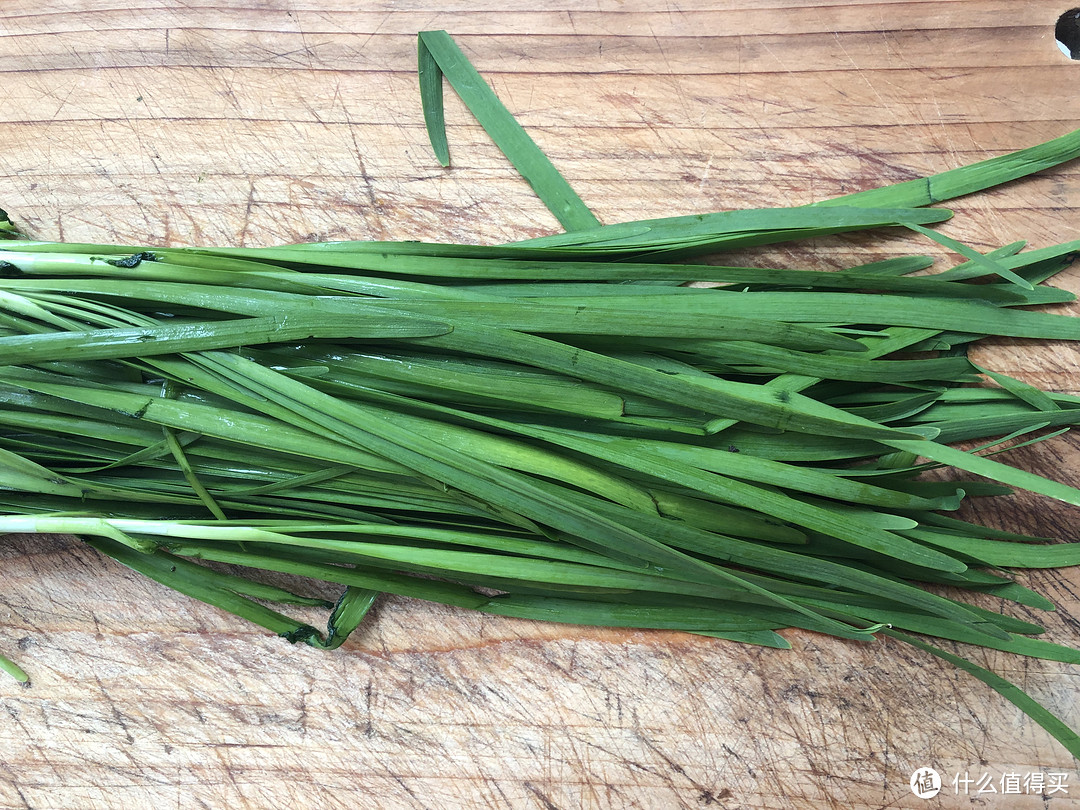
(284, 120)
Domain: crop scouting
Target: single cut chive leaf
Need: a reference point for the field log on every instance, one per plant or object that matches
(972, 255)
(14, 670)
(1010, 691)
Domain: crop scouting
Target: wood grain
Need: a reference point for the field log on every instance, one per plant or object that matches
(271, 121)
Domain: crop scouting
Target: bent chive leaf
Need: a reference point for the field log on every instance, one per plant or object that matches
(440, 56)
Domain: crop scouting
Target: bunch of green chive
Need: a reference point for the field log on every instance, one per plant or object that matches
(551, 429)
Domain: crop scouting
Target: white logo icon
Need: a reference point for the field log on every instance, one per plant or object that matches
(925, 783)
